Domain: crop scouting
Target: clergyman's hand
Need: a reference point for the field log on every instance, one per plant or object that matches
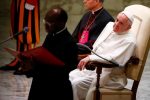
(26, 61)
(83, 62)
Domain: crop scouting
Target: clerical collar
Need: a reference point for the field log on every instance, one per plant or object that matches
(97, 10)
(59, 31)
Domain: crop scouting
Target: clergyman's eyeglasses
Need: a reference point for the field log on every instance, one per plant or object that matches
(45, 22)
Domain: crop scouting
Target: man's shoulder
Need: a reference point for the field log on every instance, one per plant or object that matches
(109, 24)
(106, 12)
(107, 15)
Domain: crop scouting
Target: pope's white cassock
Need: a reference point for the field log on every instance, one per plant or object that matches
(111, 46)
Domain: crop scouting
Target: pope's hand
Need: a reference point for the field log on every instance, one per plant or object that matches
(83, 62)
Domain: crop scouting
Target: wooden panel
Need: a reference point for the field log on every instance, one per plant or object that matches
(116, 97)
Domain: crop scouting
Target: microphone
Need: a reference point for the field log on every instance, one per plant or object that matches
(25, 30)
(111, 61)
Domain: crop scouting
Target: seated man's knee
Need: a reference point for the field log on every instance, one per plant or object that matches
(74, 74)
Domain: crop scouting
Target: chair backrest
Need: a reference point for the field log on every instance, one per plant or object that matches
(141, 28)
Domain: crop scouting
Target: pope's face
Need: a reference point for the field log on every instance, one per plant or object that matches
(121, 23)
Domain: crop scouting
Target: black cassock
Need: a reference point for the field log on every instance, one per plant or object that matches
(51, 75)
(95, 23)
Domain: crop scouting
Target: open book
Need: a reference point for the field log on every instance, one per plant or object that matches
(39, 54)
(12, 52)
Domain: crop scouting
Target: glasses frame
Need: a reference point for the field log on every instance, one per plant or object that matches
(45, 22)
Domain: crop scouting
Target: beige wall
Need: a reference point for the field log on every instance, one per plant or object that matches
(75, 8)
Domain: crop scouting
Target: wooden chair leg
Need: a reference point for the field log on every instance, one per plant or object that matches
(97, 92)
(134, 89)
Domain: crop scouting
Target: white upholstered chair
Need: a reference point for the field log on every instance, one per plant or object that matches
(134, 68)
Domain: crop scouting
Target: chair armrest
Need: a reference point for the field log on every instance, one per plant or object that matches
(91, 65)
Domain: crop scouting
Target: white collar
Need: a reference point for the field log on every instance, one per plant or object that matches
(93, 11)
(60, 31)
